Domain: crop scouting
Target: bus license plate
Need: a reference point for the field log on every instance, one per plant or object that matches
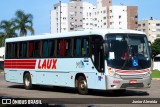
(133, 81)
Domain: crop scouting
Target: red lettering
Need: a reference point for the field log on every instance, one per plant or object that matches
(44, 64)
(49, 62)
(54, 63)
(39, 67)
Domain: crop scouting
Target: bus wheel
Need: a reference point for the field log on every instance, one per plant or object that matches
(27, 81)
(82, 85)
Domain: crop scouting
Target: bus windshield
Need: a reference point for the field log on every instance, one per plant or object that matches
(127, 51)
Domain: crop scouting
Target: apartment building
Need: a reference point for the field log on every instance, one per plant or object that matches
(151, 27)
(78, 14)
(72, 16)
(59, 24)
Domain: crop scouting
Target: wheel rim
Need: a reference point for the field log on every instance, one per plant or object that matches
(27, 81)
(83, 85)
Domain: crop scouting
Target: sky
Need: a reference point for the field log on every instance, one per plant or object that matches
(40, 9)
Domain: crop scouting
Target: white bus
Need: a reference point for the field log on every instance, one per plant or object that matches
(106, 59)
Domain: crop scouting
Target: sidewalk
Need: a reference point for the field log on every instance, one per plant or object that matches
(155, 78)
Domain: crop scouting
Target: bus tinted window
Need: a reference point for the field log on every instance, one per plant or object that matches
(68, 47)
(24, 44)
(51, 46)
(14, 50)
(37, 49)
(20, 53)
(77, 47)
(45, 48)
(85, 47)
(31, 47)
(8, 50)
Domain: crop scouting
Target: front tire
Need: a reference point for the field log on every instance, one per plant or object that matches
(82, 85)
(27, 81)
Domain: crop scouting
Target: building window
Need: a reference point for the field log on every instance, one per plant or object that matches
(158, 35)
(120, 17)
(143, 24)
(158, 24)
(158, 30)
(139, 25)
(104, 17)
(144, 30)
(104, 23)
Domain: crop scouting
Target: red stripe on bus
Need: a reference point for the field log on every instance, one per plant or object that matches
(131, 71)
(20, 67)
(19, 61)
(20, 64)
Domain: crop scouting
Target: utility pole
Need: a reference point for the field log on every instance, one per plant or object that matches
(60, 15)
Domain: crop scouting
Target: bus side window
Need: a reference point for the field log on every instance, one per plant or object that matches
(37, 49)
(14, 50)
(51, 48)
(8, 51)
(68, 47)
(85, 47)
(20, 50)
(24, 45)
(45, 48)
(77, 47)
(31, 46)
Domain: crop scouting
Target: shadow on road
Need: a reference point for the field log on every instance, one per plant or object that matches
(91, 92)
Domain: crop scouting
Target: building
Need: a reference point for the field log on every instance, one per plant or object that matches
(123, 17)
(72, 16)
(151, 27)
(78, 14)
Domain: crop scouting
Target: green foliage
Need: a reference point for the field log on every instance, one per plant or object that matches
(22, 22)
(7, 30)
(155, 74)
(155, 47)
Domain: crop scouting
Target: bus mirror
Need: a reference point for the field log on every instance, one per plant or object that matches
(149, 43)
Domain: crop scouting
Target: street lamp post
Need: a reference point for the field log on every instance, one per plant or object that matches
(60, 15)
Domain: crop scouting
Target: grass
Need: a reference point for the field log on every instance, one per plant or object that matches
(155, 74)
(1, 71)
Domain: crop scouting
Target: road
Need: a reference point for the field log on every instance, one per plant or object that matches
(17, 91)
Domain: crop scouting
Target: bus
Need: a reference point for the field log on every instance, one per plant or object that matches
(101, 59)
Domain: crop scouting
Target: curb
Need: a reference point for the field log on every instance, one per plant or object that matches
(1, 72)
(155, 78)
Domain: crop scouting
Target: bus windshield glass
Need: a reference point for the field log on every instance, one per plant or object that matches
(127, 51)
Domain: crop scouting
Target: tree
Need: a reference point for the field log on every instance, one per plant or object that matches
(23, 22)
(7, 30)
(155, 46)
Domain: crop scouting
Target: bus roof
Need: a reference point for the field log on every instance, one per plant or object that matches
(102, 32)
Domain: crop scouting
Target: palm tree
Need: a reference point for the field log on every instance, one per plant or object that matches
(24, 22)
(7, 30)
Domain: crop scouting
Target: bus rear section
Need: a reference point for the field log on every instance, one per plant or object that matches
(128, 61)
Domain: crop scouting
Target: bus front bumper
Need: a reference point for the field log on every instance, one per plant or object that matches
(118, 83)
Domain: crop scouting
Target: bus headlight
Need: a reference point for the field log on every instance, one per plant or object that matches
(110, 71)
(147, 75)
(116, 75)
